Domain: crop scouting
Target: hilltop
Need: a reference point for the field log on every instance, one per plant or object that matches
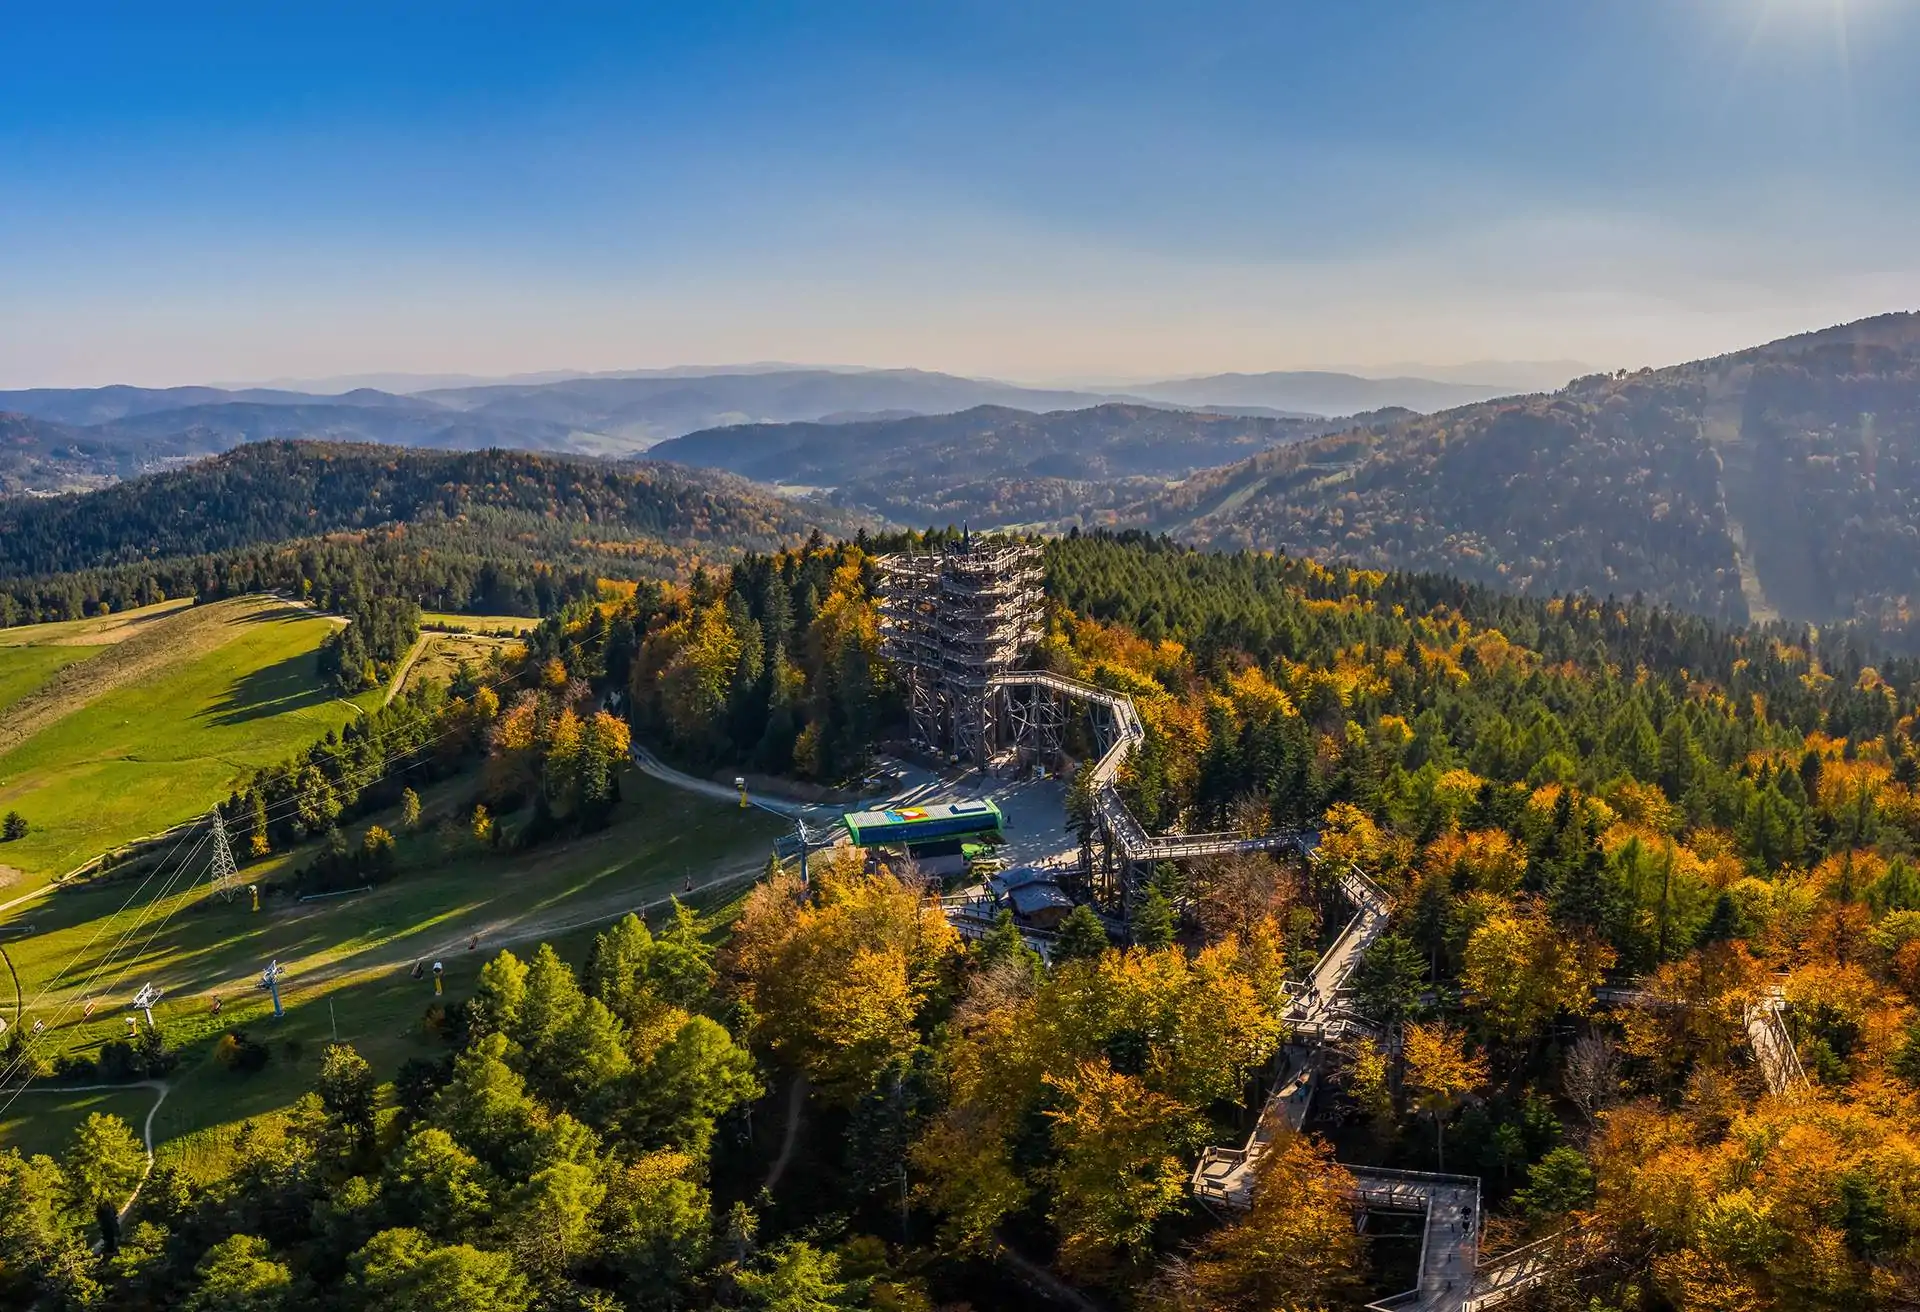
(488, 528)
(1779, 481)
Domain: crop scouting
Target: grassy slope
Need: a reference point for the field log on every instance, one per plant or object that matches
(353, 952)
(104, 629)
(23, 669)
(152, 753)
(44, 1121)
(440, 660)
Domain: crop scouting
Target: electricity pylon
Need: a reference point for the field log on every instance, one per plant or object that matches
(222, 878)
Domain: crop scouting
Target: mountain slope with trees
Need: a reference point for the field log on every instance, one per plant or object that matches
(1552, 793)
(1782, 480)
(990, 464)
(506, 529)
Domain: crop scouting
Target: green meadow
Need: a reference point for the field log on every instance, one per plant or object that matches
(161, 746)
(348, 959)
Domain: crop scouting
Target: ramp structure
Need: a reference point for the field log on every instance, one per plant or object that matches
(1451, 1277)
(956, 624)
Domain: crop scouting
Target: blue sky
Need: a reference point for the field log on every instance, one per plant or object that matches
(1033, 190)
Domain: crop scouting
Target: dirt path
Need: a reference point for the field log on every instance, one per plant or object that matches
(418, 650)
(146, 1130)
(652, 765)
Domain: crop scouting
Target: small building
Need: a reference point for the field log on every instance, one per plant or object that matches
(1034, 894)
(1041, 905)
(1003, 884)
(933, 823)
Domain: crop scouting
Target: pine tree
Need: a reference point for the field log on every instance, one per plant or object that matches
(1151, 925)
(1005, 943)
(1082, 937)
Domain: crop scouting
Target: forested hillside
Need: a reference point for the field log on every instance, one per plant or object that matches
(506, 531)
(1554, 794)
(988, 465)
(1781, 480)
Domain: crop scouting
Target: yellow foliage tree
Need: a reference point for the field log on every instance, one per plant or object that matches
(1117, 1172)
(834, 982)
(1295, 1248)
(1520, 971)
(1440, 1073)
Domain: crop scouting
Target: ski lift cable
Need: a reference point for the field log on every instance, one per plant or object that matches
(166, 890)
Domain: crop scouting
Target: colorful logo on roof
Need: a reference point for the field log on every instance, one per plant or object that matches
(910, 813)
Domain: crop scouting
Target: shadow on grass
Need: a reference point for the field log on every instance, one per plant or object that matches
(207, 946)
(292, 684)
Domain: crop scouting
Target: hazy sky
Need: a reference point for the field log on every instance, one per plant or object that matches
(1032, 190)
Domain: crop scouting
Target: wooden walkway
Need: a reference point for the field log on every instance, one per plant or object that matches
(1767, 1035)
(1451, 1277)
(1135, 845)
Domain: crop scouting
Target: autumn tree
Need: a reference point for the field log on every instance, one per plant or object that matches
(1441, 1072)
(835, 983)
(1141, 1042)
(1117, 1172)
(1520, 971)
(1295, 1247)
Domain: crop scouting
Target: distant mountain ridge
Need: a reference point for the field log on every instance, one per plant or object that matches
(1778, 481)
(122, 430)
(1316, 392)
(990, 466)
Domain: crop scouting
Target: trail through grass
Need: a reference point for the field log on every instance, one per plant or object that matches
(24, 670)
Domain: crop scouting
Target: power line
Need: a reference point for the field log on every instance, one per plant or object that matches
(88, 945)
(88, 986)
(217, 831)
(221, 877)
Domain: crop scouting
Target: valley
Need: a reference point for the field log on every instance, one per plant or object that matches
(1321, 868)
(960, 658)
